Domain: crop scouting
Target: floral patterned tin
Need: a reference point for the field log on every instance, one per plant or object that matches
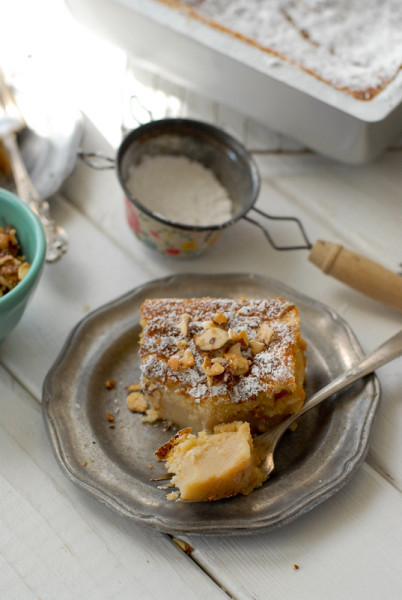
(167, 239)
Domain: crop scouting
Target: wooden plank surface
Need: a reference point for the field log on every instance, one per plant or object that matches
(58, 543)
(336, 547)
(55, 541)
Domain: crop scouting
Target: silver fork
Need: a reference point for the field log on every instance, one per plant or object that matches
(11, 122)
(388, 351)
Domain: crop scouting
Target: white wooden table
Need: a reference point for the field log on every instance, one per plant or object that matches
(56, 542)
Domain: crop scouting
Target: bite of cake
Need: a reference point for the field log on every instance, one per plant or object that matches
(213, 466)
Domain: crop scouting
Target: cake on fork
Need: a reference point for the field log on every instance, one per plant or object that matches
(208, 467)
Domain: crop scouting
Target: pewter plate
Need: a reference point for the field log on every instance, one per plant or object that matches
(114, 464)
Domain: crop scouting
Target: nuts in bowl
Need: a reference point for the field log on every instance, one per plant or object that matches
(22, 255)
(13, 266)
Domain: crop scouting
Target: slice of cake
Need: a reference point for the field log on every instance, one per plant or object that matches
(208, 361)
(213, 466)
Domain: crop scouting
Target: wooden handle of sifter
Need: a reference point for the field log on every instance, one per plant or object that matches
(358, 272)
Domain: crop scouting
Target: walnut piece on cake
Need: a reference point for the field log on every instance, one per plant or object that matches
(212, 466)
(208, 361)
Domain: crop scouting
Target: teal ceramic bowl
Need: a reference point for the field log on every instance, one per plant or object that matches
(33, 245)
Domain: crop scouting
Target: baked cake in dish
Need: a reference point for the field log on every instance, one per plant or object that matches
(212, 466)
(352, 45)
(208, 361)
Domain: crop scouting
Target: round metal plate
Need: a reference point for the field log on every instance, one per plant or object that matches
(116, 464)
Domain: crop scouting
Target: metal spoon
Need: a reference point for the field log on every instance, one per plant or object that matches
(388, 351)
(56, 237)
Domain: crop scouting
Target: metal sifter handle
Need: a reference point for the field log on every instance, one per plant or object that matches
(306, 245)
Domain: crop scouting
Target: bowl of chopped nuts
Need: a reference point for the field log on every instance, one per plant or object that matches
(22, 256)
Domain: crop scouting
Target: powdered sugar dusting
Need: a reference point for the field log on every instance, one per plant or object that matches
(270, 370)
(181, 190)
(354, 45)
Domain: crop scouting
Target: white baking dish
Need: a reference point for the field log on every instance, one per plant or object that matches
(230, 71)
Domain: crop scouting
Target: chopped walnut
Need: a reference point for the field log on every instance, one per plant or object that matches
(23, 270)
(210, 381)
(134, 387)
(213, 366)
(212, 338)
(151, 416)
(219, 359)
(265, 334)
(233, 335)
(220, 319)
(243, 338)
(174, 363)
(187, 359)
(237, 363)
(183, 362)
(13, 266)
(214, 369)
(207, 324)
(235, 349)
(238, 336)
(136, 402)
(256, 346)
(183, 325)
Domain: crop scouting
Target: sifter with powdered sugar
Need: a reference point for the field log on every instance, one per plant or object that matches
(185, 181)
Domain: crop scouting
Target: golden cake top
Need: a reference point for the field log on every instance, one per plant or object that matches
(212, 347)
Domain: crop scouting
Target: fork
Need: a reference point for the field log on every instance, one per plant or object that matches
(11, 122)
(266, 443)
